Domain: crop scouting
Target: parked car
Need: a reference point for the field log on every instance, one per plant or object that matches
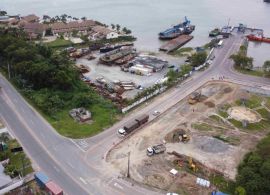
(156, 113)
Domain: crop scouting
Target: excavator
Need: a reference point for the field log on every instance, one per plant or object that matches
(183, 136)
(192, 166)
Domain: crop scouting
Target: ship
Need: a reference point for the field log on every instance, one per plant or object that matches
(177, 30)
(258, 38)
(109, 47)
(214, 32)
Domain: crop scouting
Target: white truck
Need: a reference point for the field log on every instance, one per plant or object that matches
(157, 149)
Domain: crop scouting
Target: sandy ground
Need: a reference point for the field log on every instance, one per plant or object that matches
(242, 113)
(112, 73)
(203, 147)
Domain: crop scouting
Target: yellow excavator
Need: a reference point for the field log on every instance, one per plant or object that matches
(192, 166)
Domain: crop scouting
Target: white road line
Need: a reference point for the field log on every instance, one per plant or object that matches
(42, 135)
(83, 180)
(70, 165)
(118, 186)
(56, 168)
(77, 145)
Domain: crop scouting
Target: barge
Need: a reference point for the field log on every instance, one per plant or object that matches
(110, 47)
(176, 43)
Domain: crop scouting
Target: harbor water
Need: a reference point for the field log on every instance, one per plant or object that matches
(148, 17)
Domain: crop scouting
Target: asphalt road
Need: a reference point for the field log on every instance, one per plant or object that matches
(78, 165)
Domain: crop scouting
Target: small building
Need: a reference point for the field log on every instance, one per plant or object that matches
(67, 28)
(30, 18)
(101, 32)
(34, 30)
(80, 114)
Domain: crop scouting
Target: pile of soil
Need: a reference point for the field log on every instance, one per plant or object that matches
(209, 104)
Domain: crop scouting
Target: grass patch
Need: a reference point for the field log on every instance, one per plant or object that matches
(66, 126)
(264, 113)
(222, 184)
(216, 118)
(251, 72)
(253, 102)
(182, 51)
(267, 104)
(59, 43)
(223, 114)
(228, 139)
(18, 162)
(201, 126)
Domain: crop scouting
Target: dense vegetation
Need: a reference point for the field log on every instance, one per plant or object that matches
(241, 60)
(50, 81)
(198, 58)
(254, 171)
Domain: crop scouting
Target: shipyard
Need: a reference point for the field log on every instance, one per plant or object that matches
(138, 98)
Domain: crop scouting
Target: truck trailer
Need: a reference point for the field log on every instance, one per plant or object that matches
(132, 125)
(157, 149)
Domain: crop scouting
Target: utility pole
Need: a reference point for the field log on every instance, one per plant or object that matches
(8, 70)
(128, 175)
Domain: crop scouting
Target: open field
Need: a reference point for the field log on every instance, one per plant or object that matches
(219, 140)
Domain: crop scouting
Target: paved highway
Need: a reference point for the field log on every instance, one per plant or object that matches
(78, 166)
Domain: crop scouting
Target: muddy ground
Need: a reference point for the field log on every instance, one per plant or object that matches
(215, 142)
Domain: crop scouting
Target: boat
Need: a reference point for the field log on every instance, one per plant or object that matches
(258, 38)
(177, 30)
(109, 47)
(214, 32)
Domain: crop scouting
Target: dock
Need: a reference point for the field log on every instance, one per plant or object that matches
(176, 43)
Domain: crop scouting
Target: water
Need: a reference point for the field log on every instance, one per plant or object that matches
(148, 17)
(260, 52)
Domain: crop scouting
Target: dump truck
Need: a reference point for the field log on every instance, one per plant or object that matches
(157, 149)
(132, 125)
(142, 119)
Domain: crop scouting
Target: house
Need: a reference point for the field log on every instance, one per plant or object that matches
(67, 28)
(100, 32)
(34, 30)
(30, 18)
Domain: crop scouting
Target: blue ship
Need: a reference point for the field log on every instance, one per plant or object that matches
(177, 30)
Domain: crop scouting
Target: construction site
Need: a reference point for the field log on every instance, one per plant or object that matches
(203, 137)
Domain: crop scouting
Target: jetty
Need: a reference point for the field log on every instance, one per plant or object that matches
(176, 43)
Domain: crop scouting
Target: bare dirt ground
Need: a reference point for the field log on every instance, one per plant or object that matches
(215, 142)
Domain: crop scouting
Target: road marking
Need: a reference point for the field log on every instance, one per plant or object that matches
(118, 186)
(56, 168)
(83, 180)
(70, 165)
(78, 146)
(42, 135)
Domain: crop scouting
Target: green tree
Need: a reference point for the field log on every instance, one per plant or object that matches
(242, 61)
(113, 26)
(118, 27)
(240, 191)
(198, 58)
(266, 67)
(3, 13)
